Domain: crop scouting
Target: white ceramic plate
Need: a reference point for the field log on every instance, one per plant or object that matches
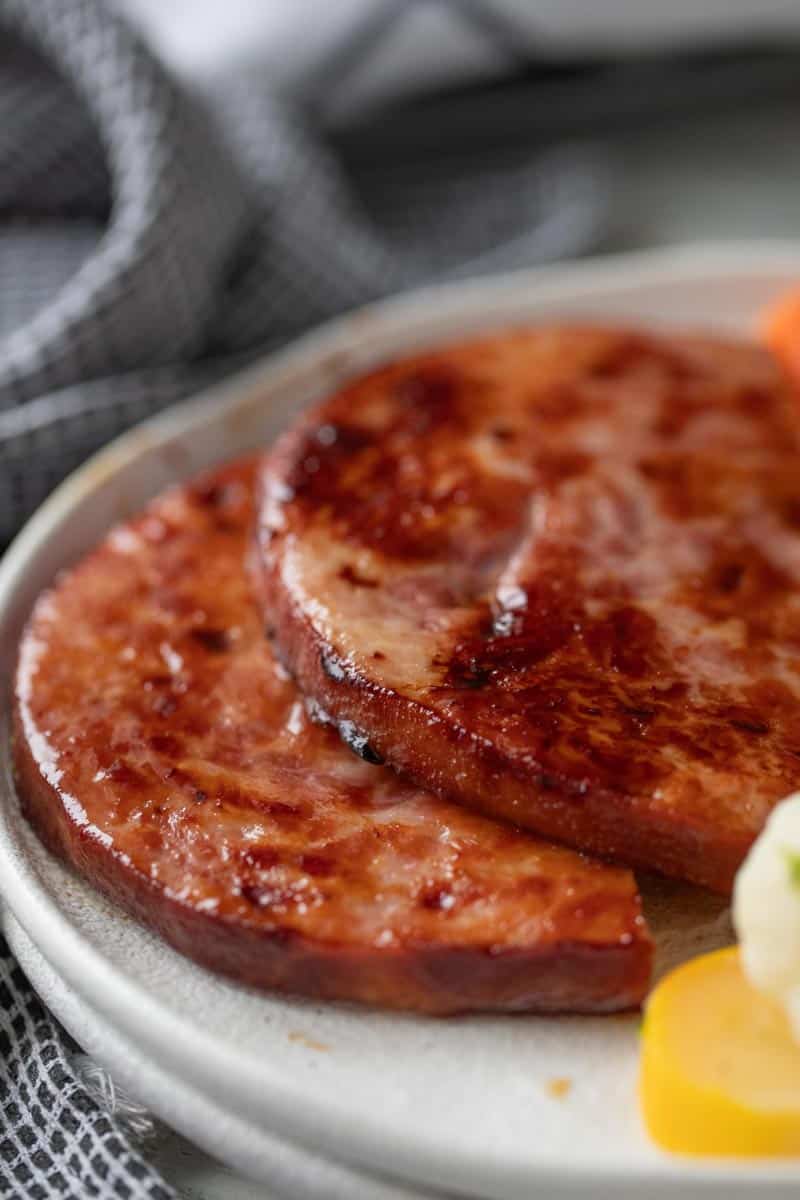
(462, 1104)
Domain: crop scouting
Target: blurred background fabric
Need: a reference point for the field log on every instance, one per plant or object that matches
(423, 46)
(159, 228)
(151, 240)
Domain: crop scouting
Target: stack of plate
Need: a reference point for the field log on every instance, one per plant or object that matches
(332, 1101)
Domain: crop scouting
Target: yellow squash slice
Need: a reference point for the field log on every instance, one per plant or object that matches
(720, 1070)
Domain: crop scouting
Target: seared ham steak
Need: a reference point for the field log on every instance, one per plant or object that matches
(554, 574)
(163, 752)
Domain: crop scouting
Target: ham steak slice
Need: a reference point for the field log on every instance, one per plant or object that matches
(162, 751)
(554, 574)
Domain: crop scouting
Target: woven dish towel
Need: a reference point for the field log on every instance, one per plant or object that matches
(149, 246)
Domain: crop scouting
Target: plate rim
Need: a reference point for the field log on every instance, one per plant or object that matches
(233, 1137)
(85, 968)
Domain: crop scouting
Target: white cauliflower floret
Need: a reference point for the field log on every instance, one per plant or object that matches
(766, 909)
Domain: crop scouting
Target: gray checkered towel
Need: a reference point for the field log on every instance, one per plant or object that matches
(148, 246)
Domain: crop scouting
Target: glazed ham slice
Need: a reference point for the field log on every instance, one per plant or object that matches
(163, 753)
(554, 574)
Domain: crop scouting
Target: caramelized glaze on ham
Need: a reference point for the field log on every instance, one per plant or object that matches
(554, 574)
(162, 752)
